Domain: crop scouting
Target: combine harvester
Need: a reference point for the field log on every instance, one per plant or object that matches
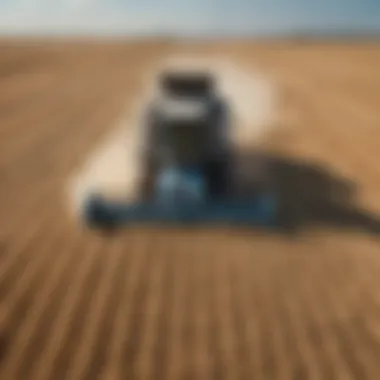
(187, 164)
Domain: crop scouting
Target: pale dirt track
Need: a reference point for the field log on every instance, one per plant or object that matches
(155, 304)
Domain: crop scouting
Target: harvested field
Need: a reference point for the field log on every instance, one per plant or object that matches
(207, 304)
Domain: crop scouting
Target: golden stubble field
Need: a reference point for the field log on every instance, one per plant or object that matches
(211, 304)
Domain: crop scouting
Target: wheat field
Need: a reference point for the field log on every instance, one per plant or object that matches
(215, 303)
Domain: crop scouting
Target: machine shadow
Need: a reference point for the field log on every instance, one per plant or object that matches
(310, 194)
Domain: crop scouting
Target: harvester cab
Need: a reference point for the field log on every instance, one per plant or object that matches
(188, 127)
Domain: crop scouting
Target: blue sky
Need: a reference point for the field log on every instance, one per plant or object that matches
(185, 17)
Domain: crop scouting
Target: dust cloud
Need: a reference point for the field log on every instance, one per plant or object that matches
(113, 168)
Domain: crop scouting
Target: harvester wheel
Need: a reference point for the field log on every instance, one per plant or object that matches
(217, 174)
